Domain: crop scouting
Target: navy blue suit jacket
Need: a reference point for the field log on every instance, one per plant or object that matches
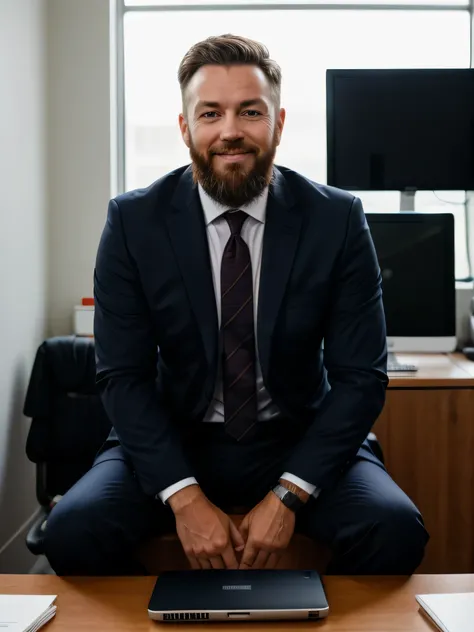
(156, 327)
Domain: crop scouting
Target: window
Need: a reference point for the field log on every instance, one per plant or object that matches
(305, 43)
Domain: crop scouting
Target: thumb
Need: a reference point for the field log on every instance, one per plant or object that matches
(236, 537)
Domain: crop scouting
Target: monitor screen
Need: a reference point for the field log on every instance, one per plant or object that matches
(416, 257)
(400, 130)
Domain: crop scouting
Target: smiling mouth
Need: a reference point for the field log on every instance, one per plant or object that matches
(233, 153)
(234, 157)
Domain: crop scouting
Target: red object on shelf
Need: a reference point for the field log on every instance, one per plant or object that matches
(88, 301)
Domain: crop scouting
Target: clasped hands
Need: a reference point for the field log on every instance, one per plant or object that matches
(210, 538)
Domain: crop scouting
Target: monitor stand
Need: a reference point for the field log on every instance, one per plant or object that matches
(407, 201)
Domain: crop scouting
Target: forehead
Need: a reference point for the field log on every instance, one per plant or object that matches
(228, 84)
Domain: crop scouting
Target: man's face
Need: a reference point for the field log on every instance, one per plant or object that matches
(232, 127)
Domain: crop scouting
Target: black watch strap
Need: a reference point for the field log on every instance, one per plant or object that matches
(288, 498)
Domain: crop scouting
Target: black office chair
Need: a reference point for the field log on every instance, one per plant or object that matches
(69, 423)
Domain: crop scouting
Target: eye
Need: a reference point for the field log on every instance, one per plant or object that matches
(209, 115)
(252, 113)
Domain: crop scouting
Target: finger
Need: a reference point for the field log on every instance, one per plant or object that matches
(229, 558)
(204, 563)
(237, 537)
(248, 556)
(216, 561)
(244, 529)
(193, 562)
(273, 560)
(261, 559)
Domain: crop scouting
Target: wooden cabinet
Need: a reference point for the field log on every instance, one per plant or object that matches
(427, 434)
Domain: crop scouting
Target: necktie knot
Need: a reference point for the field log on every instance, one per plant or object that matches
(236, 220)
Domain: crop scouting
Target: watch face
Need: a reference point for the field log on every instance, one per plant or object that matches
(291, 500)
(288, 498)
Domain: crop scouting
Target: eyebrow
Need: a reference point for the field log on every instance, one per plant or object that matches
(243, 104)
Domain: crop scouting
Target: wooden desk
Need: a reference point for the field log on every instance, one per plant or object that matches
(427, 434)
(375, 604)
(434, 371)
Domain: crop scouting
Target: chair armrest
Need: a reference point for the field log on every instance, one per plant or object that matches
(376, 447)
(35, 535)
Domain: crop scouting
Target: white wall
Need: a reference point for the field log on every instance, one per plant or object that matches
(79, 149)
(55, 174)
(22, 257)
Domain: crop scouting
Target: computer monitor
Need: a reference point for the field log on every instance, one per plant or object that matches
(400, 130)
(416, 257)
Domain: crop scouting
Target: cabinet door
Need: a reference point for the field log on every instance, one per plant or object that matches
(428, 441)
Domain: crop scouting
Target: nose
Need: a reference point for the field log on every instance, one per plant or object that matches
(230, 130)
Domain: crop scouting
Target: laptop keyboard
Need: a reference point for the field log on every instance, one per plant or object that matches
(393, 365)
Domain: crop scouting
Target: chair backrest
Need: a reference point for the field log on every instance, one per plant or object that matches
(69, 423)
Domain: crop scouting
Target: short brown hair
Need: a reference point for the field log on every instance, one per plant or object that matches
(226, 50)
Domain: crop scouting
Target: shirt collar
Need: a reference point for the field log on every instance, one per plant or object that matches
(212, 210)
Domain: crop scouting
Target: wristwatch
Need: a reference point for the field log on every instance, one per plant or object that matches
(288, 498)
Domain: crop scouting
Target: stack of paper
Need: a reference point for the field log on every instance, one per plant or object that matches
(450, 612)
(25, 613)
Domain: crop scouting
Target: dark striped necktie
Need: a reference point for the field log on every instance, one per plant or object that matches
(237, 326)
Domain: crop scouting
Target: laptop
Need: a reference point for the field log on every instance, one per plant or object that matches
(238, 595)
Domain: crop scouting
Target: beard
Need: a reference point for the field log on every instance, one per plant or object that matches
(235, 186)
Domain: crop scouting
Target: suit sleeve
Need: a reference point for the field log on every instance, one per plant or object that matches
(126, 350)
(355, 357)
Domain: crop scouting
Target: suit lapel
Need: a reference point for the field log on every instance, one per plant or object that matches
(187, 231)
(282, 229)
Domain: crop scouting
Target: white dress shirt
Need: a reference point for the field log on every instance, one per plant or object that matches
(218, 233)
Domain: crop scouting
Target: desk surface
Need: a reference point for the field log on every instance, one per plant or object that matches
(358, 604)
(434, 371)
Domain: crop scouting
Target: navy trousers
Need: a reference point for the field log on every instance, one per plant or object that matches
(370, 525)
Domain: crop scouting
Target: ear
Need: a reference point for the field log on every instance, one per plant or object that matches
(183, 126)
(280, 124)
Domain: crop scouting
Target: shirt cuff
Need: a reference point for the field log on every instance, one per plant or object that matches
(307, 487)
(175, 487)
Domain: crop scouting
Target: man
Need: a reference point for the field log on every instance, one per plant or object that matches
(215, 288)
